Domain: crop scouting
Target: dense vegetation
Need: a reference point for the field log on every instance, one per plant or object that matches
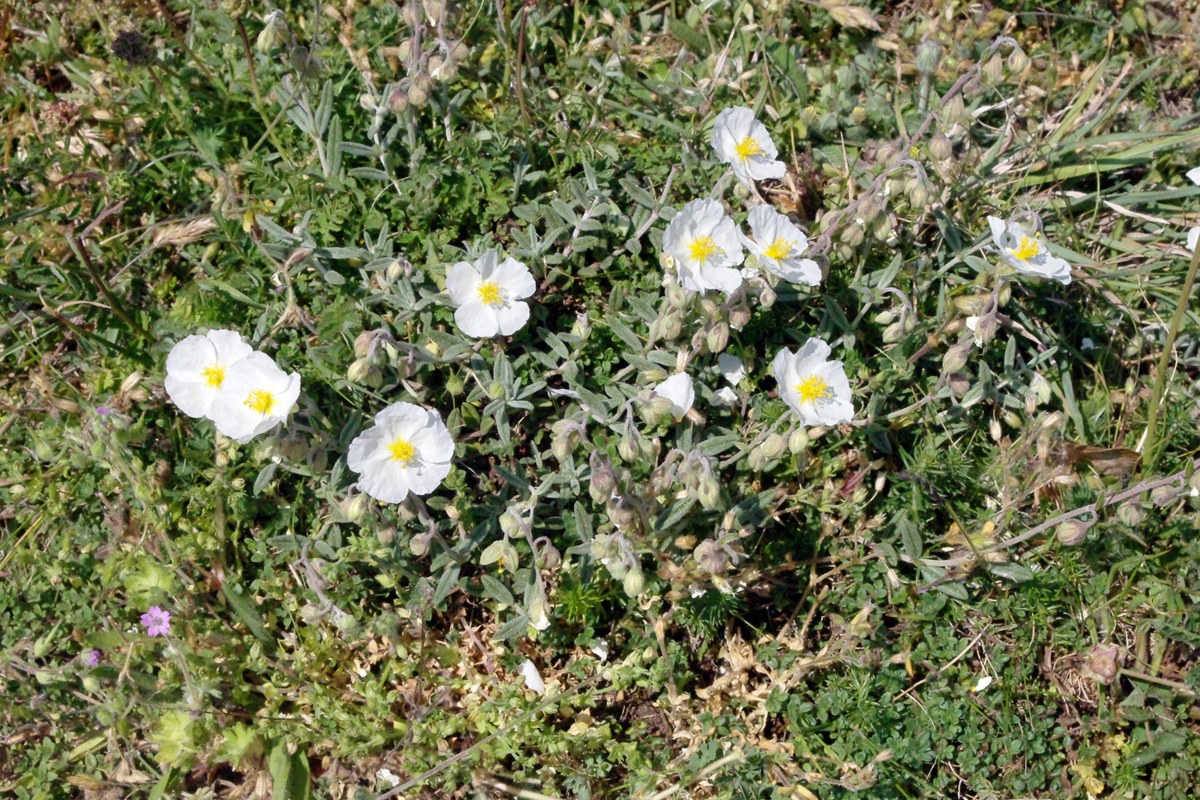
(981, 586)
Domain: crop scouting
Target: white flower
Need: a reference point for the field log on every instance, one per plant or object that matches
(777, 245)
(813, 386)
(1193, 236)
(600, 649)
(533, 678)
(1027, 250)
(197, 366)
(387, 776)
(703, 244)
(1193, 175)
(732, 368)
(725, 396)
(408, 449)
(256, 395)
(742, 142)
(488, 294)
(678, 389)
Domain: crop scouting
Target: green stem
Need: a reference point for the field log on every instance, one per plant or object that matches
(1149, 444)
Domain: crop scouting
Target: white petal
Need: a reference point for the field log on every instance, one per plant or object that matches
(1193, 236)
(761, 169)
(997, 226)
(679, 390)
(462, 281)
(533, 678)
(516, 279)
(1194, 175)
(732, 368)
(814, 350)
(511, 317)
(193, 396)
(477, 319)
(387, 483)
(725, 279)
(726, 396)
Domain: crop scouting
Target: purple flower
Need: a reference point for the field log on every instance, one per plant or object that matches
(157, 621)
(102, 411)
(91, 657)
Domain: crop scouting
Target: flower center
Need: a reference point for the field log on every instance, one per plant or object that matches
(489, 292)
(214, 376)
(779, 249)
(748, 147)
(813, 388)
(260, 401)
(1026, 248)
(703, 248)
(402, 450)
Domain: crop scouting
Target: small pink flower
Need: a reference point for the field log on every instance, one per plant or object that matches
(91, 657)
(157, 621)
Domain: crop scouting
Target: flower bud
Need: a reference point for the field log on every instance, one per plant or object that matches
(956, 357)
(460, 51)
(417, 96)
(709, 308)
(959, 385)
(633, 582)
(1017, 61)
(739, 315)
(717, 338)
(893, 332)
(419, 544)
(671, 326)
(677, 296)
(766, 297)
(602, 481)
(940, 146)
(627, 449)
(773, 446)
(993, 70)
(510, 523)
(1072, 532)
(708, 491)
(929, 55)
(362, 343)
(1004, 294)
(398, 100)
(1164, 495)
(354, 507)
(798, 441)
(274, 33)
(1131, 513)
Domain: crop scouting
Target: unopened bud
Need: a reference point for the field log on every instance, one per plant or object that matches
(956, 357)
(739, 315)
(1131, 513)
(1072, 532)
(362, 343)
(709, 308)
(677, 296)
(798, 441)
(602, 481)
(353, 508)
(953, 111)
(459, 51)
(993, 70)
(419, 544)
(274, 33)
(627, 449)
(940, 146)
(708, 492)
(417, 96)
(717, 338)
(893, 332)
(671, 326)
(398, 100)
(766, 297)
(1164, 495)
(1017, 61)
(510, 524)
(633, 582)
(773, 446)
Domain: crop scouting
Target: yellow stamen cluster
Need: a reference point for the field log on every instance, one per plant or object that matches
(1026, 248)
(489, 292)
(779, 249)
(813, 388)
(703, 248)
(748, 147)
(402, 450)
(214, 376)
(260, 401)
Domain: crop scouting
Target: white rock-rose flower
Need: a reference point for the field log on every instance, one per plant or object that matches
(197, 367)
(1193, 175)
(742, 142)
(679, 390)
(703, 244)
(408, 449)
(256, 395)
(489, 295)
(732, 368)
(813, 386)
(1027, 251)
(776, 245)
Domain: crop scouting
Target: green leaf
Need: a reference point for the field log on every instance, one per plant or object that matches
(246, 612)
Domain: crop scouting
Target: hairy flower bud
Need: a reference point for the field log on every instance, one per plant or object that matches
(677, 296)
(1072, 532)
(773, 446)
(634, 582)
(708, 491)
(1017, 61)
(940, 146)
(798, 441)
(766, 297)
(993, 70)
(956, 357)
(717, 338)
(602, 481)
